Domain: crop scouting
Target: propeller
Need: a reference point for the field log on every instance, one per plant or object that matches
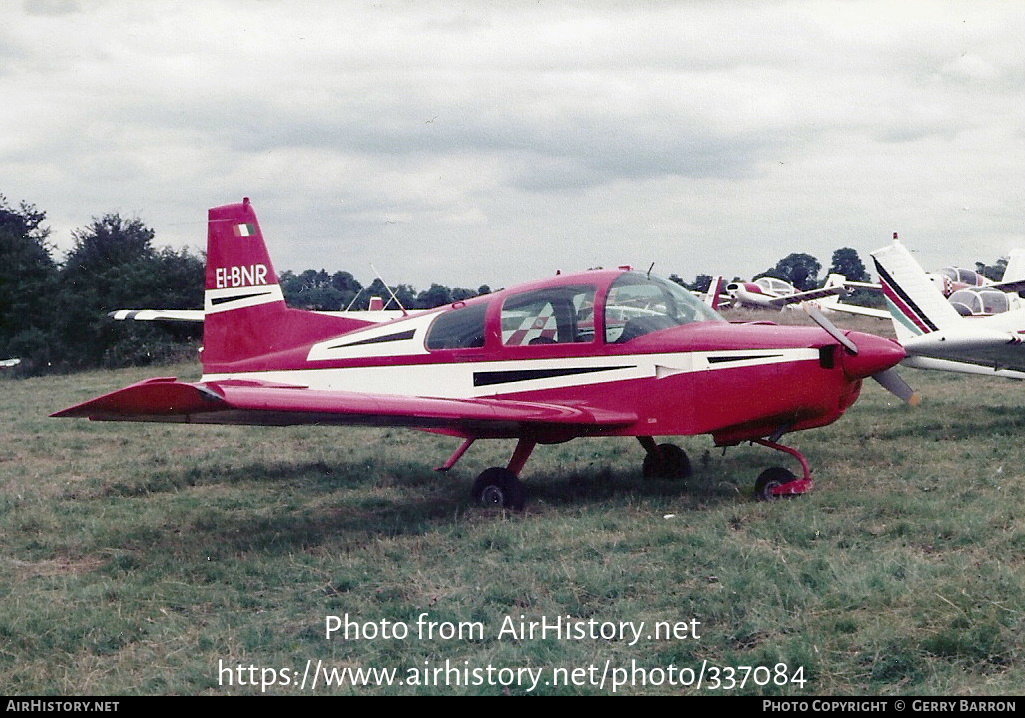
(893, 383)
(819, 318)
(888, 378)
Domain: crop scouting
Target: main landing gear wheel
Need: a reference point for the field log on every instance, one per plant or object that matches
(668, 461)
(770, 479)
(500, 489)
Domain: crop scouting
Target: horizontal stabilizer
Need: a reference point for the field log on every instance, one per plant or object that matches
(860, 310)
(158, 315)
(962, 367)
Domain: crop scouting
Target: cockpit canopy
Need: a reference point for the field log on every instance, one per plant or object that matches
(963, 276)
(980, 302)
(775, 286)
(634, 304)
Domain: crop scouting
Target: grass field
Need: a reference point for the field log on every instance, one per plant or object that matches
(165, 559)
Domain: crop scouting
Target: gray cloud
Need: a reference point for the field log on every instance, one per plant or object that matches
(709, 137)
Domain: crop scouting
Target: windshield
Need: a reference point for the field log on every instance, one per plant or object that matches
(639, 304)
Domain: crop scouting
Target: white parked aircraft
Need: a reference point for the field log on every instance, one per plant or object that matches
(932, 331)
(970, 293)
(772, 293)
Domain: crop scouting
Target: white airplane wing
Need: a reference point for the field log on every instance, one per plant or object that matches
(859, 310)
(811, 294)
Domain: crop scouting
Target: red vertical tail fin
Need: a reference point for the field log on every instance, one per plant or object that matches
(238, 268)
(245, 313)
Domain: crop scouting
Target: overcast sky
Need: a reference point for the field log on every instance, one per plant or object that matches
(497, 142)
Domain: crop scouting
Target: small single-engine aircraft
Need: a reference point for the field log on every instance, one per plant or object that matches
(936, 334)
(599, 353)
(772, 293)
(951, 280)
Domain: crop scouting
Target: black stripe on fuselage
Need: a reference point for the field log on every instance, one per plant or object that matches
(885, 278)
(489, 378)
(747, 357)
(378, 340)
(224, 300)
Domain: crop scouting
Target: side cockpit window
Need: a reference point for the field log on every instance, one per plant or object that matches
(460, 328)
(554, 315)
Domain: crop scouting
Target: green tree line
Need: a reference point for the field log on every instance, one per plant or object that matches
(54, 314)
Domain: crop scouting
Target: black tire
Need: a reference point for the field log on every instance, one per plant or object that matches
(498, 488)
(769, 479)
(670, 462)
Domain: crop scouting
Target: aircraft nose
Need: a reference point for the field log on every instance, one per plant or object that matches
(875, 355)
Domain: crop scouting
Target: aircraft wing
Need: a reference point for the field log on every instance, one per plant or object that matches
(857, 309)
(265, 404)
(863, 285)
(961, 367)
(1017, 285)
(158, 315)
(811, 294)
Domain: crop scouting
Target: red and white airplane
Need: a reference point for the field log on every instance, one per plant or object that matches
(950, 280)
(773, 293)
(599, 353)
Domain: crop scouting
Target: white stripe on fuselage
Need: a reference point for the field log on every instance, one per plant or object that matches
(455, 380)
(367, 342)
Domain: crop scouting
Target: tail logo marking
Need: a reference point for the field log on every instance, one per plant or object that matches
(910, 315)
(245, 230)
(241, 276)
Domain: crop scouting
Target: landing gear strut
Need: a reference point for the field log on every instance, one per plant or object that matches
(776, 482)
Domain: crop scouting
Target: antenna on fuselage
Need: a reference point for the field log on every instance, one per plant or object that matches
(404, 312)
(355, 298)
(650, 268)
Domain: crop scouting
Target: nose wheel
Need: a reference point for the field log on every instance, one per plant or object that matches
(768, 483)
(777, 482)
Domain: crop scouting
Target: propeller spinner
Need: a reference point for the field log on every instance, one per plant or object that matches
(875, 362)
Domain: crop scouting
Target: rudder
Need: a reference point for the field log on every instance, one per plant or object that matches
(916, 305)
